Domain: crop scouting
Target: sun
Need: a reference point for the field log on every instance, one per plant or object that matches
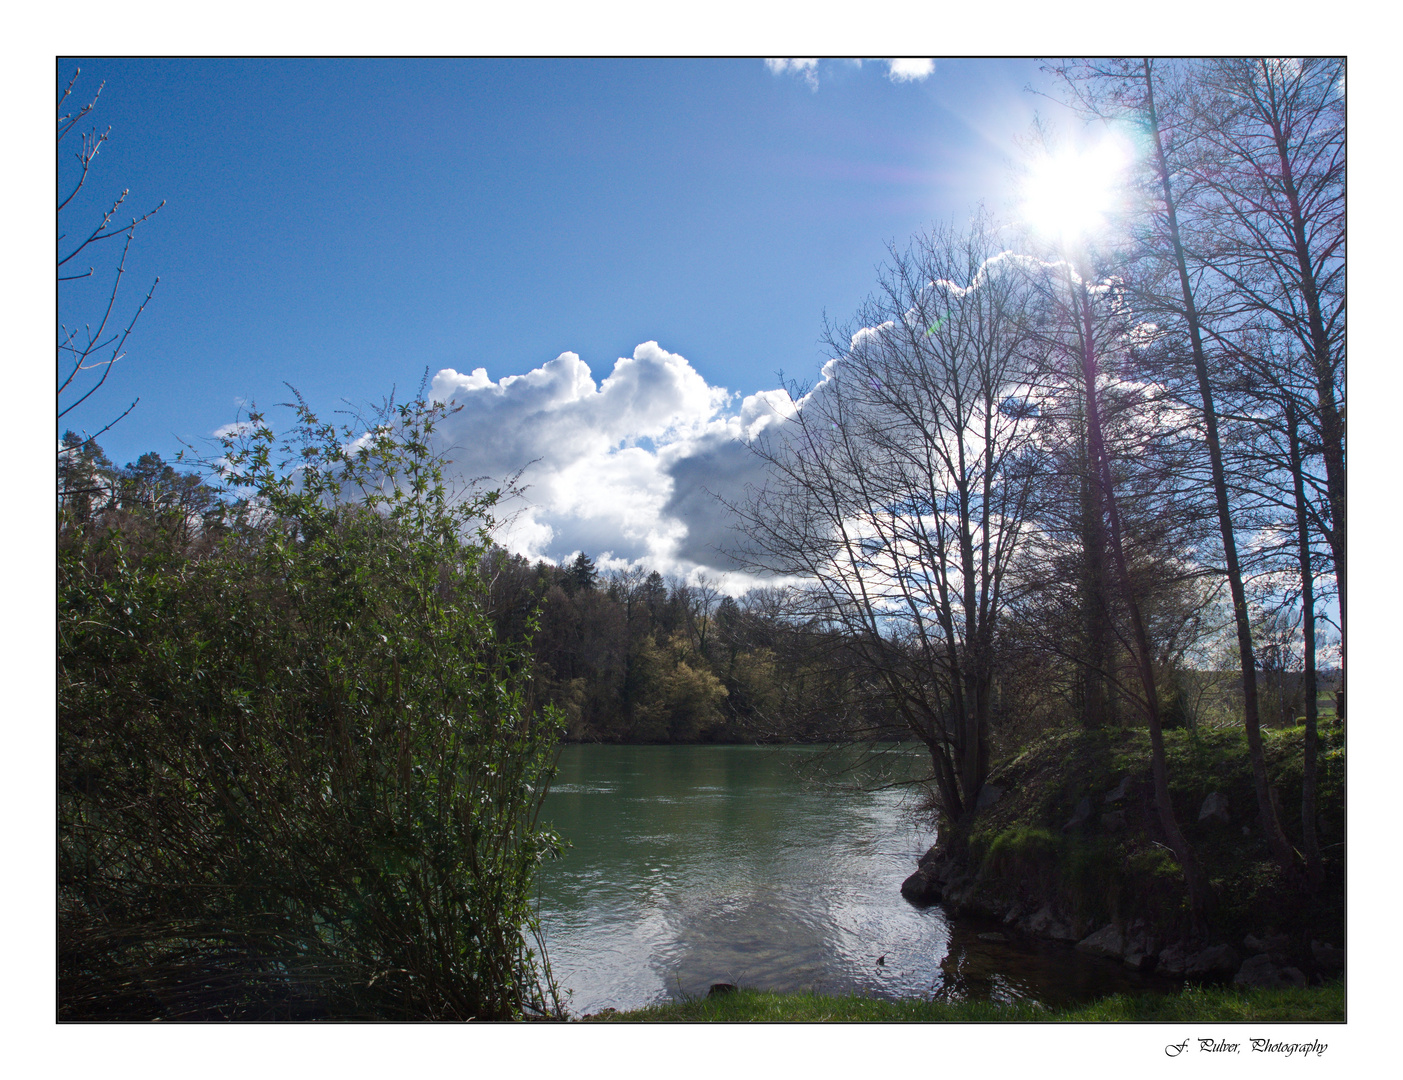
(1068, 195)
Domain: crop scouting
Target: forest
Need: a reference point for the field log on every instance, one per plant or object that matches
(1065, 474)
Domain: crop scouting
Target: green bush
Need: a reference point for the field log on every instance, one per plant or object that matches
(298, 773)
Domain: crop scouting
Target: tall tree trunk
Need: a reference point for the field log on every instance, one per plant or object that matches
(1280, 847)
(1201, 897)
(1095, 602)
(1309, 841)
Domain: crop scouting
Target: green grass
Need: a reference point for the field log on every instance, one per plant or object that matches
(1317, 1005)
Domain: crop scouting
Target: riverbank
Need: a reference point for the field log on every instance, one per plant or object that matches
(1070, 849)
(1322, 1004)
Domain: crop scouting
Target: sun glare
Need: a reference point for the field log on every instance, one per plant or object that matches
(1068, 195)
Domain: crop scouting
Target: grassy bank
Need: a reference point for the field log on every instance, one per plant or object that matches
(1117, 866)
(1315, 1005)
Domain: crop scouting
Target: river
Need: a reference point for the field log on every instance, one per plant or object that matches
(766, 867)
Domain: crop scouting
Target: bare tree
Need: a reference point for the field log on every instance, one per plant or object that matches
(1068, 598)
(1167, 106)
(698, 603)
(1269, 204)
(1281, 459)
(1085, 328)
(87, 353)
(898, 488)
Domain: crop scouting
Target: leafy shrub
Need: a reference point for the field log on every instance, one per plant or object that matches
(298, 773)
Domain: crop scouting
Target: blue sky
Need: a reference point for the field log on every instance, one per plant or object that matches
(345, 226)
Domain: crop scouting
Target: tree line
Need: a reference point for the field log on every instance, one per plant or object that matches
(623, 656)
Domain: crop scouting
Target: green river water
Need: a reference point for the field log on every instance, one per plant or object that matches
(768, 868)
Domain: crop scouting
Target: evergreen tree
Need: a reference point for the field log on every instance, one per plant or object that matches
(581, 575)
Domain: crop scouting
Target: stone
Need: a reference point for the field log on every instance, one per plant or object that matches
(1080, 816)
(921, 888)
(1260, 971)
(992, 935)
(1173, 959)
(1273, 944)
(1039, 921)
(988, 796)
(1139, 961)
(1296, 977)
(1214, 810)
(1045, 923)
(717, 989)
(1113, 822)
(1109, 942)
(1120, 791)
(1212, 962)
(956, 889)
(1140, 940)
(1327, 956)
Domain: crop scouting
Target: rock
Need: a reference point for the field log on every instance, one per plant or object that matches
(1260, 971)
(1140, 961)
(1080, 816)
(1327, 956)
(1214, 961)
(993, 935)
(1113, 822)
(1214, 810)
(1120, 791)
(1038, 922)
(1109, 942)
(1014, 914)
(1246, 831)
(954, 888)
(1296, 977)
(1257, 971)
(1274, 944)
(921, 888)
(717, 989)
(1045, 923)
(1139, 940)
(988, 796)
(1173, 959)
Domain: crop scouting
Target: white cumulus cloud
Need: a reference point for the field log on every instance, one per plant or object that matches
(910, 68)
(621, 469)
